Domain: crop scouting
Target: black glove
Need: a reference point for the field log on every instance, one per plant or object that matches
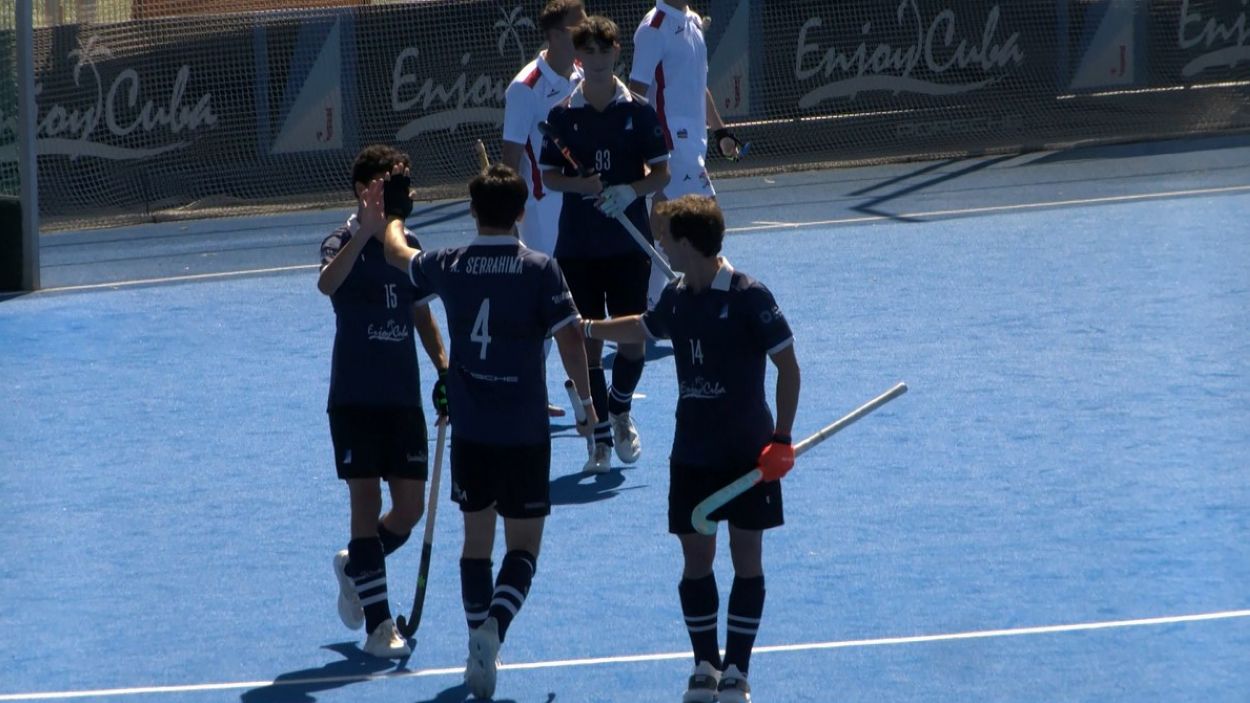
(724, 133)
(397, 196)
(439, 396)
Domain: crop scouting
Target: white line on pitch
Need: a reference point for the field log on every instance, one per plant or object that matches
(763, 225)
(634, 658)
(176, 279)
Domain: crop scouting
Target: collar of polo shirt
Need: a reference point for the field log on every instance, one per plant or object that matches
(578, 98)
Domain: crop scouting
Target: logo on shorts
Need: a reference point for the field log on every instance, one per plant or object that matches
(419, 456)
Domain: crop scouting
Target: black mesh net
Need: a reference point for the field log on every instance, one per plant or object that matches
(199, 108)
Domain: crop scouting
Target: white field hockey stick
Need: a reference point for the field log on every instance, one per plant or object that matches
(579, 410)
(408, 627)
(656, 260)
(699, 518)
(483, 161)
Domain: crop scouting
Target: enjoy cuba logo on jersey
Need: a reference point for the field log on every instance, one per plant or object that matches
(701, 389)
(74, 130)
(466, 100)
(392, 331)
(1222, 44)
(885, 67)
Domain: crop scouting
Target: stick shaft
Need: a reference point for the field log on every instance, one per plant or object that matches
(744, 483)
(579, 410)
(839, 425)
(409, 626)
(656, 260)
(483, 161)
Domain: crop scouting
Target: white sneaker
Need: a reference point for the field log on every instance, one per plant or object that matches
(702, 686)
(482, 665)
(733, 687)
(554, 410)
(600, 461)
(351, 612)
(384, 642)
(625, 437)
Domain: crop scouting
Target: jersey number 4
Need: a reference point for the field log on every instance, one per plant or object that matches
(481, 328)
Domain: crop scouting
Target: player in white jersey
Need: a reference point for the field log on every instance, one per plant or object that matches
(538, 87)
(670, 68)
(542, 84)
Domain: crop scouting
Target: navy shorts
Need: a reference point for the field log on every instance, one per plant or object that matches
(758, 509)
(617, 283)
(374, 442)
(515, 479)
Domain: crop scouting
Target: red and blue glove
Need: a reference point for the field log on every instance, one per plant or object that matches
(777, 458)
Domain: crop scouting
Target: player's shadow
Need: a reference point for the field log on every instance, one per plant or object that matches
(298, 686)
(582, 488)
(460, 693)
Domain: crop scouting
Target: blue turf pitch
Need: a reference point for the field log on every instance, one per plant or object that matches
(1073, 450)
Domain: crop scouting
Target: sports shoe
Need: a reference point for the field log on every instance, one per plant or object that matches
(600, 461)
(384, 642)
(625, 437)
(554, 410)
(733, 687)
(482, 665)
(702, 686)
(351, 612)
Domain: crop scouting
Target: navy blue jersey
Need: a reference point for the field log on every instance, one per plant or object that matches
(375, 357)
(722, 337)
(616, 143)
(502, 300)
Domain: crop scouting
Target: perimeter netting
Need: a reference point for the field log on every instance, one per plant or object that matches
(163, 108)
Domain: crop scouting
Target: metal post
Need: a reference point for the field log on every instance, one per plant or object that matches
(26, 151)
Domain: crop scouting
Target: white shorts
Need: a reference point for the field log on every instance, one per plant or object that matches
(541, 224)
(687, 168)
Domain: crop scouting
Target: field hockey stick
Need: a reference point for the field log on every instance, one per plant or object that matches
(657, 260)
(579, 410)
(699, 518)
(483, 161)
(408, 627)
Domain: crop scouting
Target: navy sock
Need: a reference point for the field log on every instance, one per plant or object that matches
(475, 590)
(511, 587)
(625, 376)
(746, 604)
(599, 392)
(391, 540)
(366, 565)
(700, 603)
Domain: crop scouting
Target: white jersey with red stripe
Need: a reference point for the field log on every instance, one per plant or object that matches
(533, 92)
(670, 56)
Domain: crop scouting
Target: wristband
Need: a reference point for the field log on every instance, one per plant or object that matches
(587, 402)
(781, 438)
